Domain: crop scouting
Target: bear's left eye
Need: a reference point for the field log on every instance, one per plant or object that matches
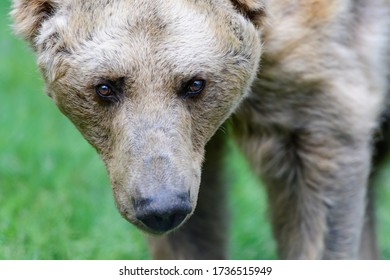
(194, 87)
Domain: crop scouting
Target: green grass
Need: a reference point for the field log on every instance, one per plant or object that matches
(55, 196)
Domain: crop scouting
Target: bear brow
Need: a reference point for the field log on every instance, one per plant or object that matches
(54, 42)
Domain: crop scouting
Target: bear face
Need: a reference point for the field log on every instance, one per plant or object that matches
(147, 83)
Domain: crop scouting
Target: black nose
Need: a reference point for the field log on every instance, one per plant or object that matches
(163, 212)
(162, 222)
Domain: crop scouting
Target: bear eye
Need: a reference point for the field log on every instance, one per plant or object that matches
(195, 87)
(104, 90)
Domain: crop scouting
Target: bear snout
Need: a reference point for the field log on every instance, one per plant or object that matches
(163, 212)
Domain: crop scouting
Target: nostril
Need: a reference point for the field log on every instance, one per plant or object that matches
(163, 223)
(164, 212)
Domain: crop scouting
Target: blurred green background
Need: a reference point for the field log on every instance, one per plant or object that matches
(55, 197)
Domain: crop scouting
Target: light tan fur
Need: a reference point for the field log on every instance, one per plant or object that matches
(305, 119)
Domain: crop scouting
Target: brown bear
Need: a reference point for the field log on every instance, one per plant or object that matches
(149, 84)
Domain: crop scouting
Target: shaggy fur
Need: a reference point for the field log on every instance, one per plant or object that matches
(306, 121)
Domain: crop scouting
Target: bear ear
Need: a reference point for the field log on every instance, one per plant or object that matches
(28, 16)
(254, 10)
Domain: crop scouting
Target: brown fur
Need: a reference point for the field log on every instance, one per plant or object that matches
(306, 121)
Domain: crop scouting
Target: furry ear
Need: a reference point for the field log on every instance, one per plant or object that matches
(28, 16)
(254, 10)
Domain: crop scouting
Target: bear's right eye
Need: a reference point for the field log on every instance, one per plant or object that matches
(109, 90)
(104, 91)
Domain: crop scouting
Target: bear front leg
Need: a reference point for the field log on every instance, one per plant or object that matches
(316, 177)
(316, 185)
(203, 236)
